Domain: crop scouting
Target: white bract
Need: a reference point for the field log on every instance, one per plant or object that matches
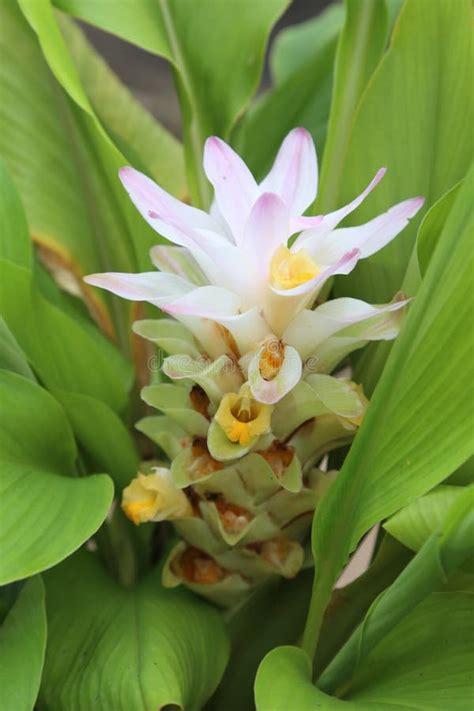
(234, 267)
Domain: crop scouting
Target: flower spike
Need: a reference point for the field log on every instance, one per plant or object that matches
(251, 406)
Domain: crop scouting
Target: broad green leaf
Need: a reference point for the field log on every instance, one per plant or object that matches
(295, 45)
(146, 144)
(361, 44)
(416, 522)
(88, 80)
(424, 663)
(22, 646)
(349, 604)
(432, 226)
(46, 513)
(404, 448)
(426, 240)
(370, 364)
(409, 121)
(61, 350)
(102, 436)
(65, 166)
(441, 554)
(302, 65)
(284, 682)
(11, 356)
(141, 649)
(215, 85)
(51, 163)
(42, 19)
(14, 237)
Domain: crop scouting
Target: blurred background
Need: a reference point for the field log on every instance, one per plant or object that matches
(149, 77)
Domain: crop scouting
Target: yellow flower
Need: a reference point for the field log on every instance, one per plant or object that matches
(242, 418)
(290, 269)
(154, 497)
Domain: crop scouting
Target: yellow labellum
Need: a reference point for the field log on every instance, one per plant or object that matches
(154, 497)
(242, 418)
(290, 269)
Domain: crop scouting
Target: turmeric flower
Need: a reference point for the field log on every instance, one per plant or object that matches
(252, 281)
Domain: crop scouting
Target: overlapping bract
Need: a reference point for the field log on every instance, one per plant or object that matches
(253, 408)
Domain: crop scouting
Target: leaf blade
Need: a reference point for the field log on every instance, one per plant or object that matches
(50, 511)
(394, 457)
(146, 647)
(22, 648)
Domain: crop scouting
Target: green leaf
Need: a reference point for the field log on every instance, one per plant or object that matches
(46, 513)
(294, 46)
(349, 604)
(22, 646)
(425, 663)
(14, 237)
(102, 435)
(370, 364)
(145, 142)
(409, 121)
(284, 682)
(65, 164)
(302, 65)
(361, 44)
(141, 648)
(42, 19)
(46, 153)
(426, 240)
(441, 554)
(215, 85)
(432, 226)
(11, 356)
(398, 453)
(63, 352)
(416, 522)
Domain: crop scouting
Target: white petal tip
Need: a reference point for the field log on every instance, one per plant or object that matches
(301, 133)
(125, 172)
(212, 143)
(408, 208)
(418, 203)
